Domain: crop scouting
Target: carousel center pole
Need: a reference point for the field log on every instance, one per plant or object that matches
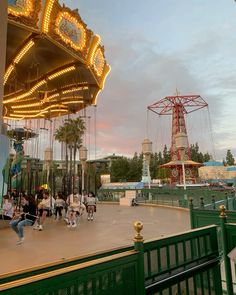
(3, 40)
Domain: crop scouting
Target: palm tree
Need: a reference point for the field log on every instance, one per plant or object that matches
(77, 127)
(71, 134)
(61, 135)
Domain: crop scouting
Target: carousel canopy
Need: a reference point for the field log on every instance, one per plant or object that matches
(55, 65)
(180, 163)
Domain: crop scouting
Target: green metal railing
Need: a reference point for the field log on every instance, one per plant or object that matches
(174, 197)
(183, 263)
(21, 274)
(115, 274)
(226, 223)
(188, 262)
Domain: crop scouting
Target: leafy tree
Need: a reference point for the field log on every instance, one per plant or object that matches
(71, 134)
(194, 152)
(160, 159)
(198, 156)
(119, 169)
(62, 135)
(206, 157)
(154, 163)
(229, 158)
(131, 169)
(166, 154)
(135, 168)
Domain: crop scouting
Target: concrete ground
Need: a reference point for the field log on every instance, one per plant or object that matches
(112, 227)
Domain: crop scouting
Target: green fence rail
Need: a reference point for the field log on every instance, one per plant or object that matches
(186, 263)
(21, 274)
(226, 223)
(206, 215)
(177, 197)
(117, 274)
(178, 263)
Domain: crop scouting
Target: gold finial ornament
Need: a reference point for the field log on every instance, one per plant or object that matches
(138, 226)
(222, 212)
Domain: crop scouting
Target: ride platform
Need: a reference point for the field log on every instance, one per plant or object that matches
(112, 228)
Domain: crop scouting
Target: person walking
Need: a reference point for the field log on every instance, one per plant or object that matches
(27, 218)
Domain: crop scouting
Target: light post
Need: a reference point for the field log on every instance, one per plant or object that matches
(83, 157)
(147, 151)
(48, 160)
(181, 140)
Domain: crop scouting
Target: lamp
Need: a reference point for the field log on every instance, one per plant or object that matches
(83, 157)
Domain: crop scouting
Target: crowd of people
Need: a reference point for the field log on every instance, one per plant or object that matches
(32, 210)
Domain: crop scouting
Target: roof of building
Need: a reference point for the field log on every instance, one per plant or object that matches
(213, 163)
(123, 185)
(231, 168)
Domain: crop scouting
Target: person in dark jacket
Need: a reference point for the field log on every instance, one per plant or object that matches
(26, 218)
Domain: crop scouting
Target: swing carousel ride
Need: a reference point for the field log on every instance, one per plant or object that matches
(55, 65)
(183, 169)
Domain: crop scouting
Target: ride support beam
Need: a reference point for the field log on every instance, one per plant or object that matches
(3, 40)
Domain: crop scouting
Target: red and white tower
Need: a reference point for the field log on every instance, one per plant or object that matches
(179, 106)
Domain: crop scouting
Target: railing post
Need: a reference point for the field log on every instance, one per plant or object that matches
(138, 246)
(228, 274)
(201, 203)
(191, 212)
(213, 201)
(234, 200)
(227, 201)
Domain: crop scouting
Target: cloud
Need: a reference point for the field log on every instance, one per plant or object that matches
(139, 78)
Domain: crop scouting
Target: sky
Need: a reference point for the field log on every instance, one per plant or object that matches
(155, 47)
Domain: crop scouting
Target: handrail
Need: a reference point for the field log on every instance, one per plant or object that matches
(64, 270)
(66, 261)
(150, 288)
(190, 232)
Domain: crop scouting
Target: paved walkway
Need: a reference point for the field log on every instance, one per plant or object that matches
(112, 227)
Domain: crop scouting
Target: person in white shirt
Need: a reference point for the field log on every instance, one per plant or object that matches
(91, 203)
(44, 208)
(59, 205)
(73, 212)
